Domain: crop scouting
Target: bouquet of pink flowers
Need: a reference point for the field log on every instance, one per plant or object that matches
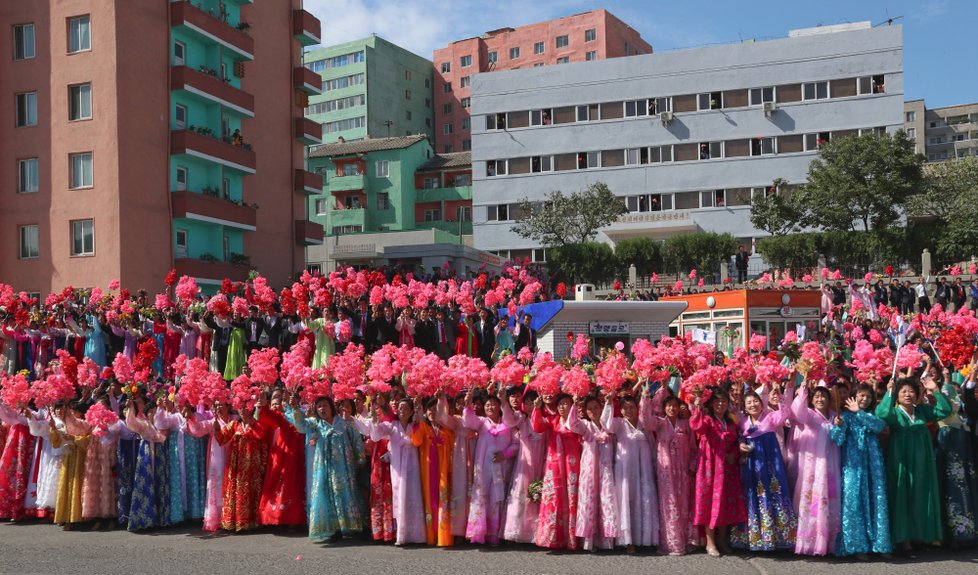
(100, 418)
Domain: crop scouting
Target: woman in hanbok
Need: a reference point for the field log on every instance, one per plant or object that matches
(237, 348)
(74, 443)
(522, 513)
(719, 496)
(205, 426)
(323, 332)
(99, 484)
(771, 520)
(597, 504)
(504, 339)
(95, 341)
(675, 468)
(205, 338)
(381, 502)
(405, 326)
(558, 503)
(244, 471)
(956, 469)
(283, 492)
(15, 462)
(335, 508)
(494, 447)
(466, 341)
(911, 468)
(168, 420)
(48, 465)
(435, 443)
(463, 459)
(405, 472)
(865, 509)
(149, 502)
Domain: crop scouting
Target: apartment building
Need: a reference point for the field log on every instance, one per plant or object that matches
(594, 35)
(942, 133)
(371, 88)
(687, 138)
(145, 136)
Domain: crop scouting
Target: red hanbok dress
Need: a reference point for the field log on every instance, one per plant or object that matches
(15, 464)
(558, 501)
(719, 497)
(283, 494)
(243, 474)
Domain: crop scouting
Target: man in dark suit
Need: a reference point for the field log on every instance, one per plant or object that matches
(274, 326)
(526, 336)
(443, 335)
(485, 330)
(896, 294)
(958, 294)
(361, 325)
(222, 339)
(943, 293)
(741, 261)
(424, 331)
(254, 327)
(386, 328)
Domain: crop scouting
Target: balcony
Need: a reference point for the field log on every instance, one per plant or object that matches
(348, 217)
(458, 193)
(308, 183)
(207, 87)
(308, 233)
(205, 270)
(201, 208)
(345, 183)
(185, 142)
(307, 81)
(187, 16)
(308, 132)
(306, 28)
(448, 226)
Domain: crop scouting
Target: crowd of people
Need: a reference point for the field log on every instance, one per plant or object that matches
(421, 412)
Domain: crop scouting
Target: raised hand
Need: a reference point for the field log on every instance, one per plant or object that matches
(852, 405)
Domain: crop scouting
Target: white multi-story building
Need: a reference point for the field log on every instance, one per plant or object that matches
(688, 137)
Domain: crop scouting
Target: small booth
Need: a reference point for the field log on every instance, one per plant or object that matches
(606, 322)
(728, 318)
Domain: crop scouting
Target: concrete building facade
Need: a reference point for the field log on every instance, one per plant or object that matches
(185, 153)
(594, 35)
(942, 133)
(371, 88)
(686, 138)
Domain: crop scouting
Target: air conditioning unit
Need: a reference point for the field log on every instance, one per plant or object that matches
(770, 108)
(665, 117)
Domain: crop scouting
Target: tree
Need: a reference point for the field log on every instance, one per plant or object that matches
(866, 179)
(948, 188)
(591, 262)
(561, 220)
(643, 253)
(702, 251)
(777, 213)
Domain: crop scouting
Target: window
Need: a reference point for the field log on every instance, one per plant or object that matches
(587, 160)
(341, 125)
(761, 146)
(181, 241)
(179, 53)
(432, 215)
(588, 113)
(463, 180)
(431, 183)
(80, 102)
(710, 101)
(407, 94)
(24, 42)
(563, 59)
(466, 102)
(496, 168)
(28, 242)
(382, 168)
(27, 176)
(465, 61)
(446, 88)
(711, 150)
(352, 203)
(541, 164)
(465, 81)
(322, 206)
(758, 96)
(635, 156)
(871, 85)
(911, 116)
(27, 109)
(590, 35)
(448, 148)
(446, 108)
(540, 117)
(492, 56)
(561, 41)
(464, 213)
(180, 117)
(343, 82)
(407, 115)
(592, 55)
(83, 238)
(79, 34)
(351, 169)
(226, 188)
(81, 170)
(912, 133)
(538, 48)
(628, 49)
(181, 178)
(446, 67)
(514, 53)
(815, 141)
(815, 91)
(466, 122)
(447, 128)
(383, 201)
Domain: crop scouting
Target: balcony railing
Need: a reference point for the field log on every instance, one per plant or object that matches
(308, 132)
(204, 208)
(213, 89)
(308, 183)
(208, 148)
(210, 270)
(457, 193)
(308, 233)
(348, 217)
(212, 28)
(308, 81)
(345, 183)
(306, 28)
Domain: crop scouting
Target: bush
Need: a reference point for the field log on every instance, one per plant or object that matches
(702, 251)
(795, 251)
(644, 253)
(592, 262)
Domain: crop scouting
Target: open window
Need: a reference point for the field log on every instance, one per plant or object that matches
(710, 101)
(761, 146)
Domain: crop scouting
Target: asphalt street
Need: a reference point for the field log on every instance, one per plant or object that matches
(46, 549)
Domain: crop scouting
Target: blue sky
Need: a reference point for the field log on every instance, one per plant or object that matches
(940, 41)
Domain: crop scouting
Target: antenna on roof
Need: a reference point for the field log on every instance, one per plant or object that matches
(889, 20)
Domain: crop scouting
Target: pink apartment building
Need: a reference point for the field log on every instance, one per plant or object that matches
(118, 147)
(593, 35)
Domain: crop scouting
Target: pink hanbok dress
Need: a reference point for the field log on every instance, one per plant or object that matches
(521, 512)
(489, 477)
(202, 425)
(597, 501)
(409, 508)
(719, 496)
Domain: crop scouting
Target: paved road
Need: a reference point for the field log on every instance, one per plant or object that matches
(49, 550)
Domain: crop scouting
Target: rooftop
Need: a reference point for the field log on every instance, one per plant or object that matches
(366, 145)
(442, 161)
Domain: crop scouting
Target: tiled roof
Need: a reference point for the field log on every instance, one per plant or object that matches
(442, 161)
(365, 145)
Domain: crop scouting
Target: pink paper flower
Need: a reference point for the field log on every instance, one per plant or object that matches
(114, 285)
(577, 382)
(581, 347)
(100, 418)
(610, 373)
(263, 365)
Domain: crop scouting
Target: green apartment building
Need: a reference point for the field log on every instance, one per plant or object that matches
(384, 192)
(371, 88)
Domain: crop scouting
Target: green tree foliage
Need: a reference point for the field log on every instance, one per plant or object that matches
(702, 251)
(562, 220)
(949, 187)
(777, 213)
(866, 179)
(591, 262)
(643, 253)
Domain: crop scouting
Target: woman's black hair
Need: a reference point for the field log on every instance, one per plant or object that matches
(327, 399)
(562, 396)
(670, 399)
(868, 389)
(493, 398)
(819, 389)
(906, 382)
(429, 402)
(708, 405)
(753, 394)
(530, 395)
(628, 398)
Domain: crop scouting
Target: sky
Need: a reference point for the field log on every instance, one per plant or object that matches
(940, 42)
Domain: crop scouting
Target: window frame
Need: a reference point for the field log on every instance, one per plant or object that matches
(566, 41)
(71, 171)
(21, 244)
(386, 204)
(321, 202)
(591, 34)
(23, 49)
(71, 35)
(448, 128)
(178, 185)
(763, 96)
(28, 98)
(465, 81)
(815, 87)
(177, 122)
(539, 48)
(177, 244)
(32, 176)
(465, 61)
(180, 60)
(75, 110)
(514, 50)
(382, 168)
(72, 226)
